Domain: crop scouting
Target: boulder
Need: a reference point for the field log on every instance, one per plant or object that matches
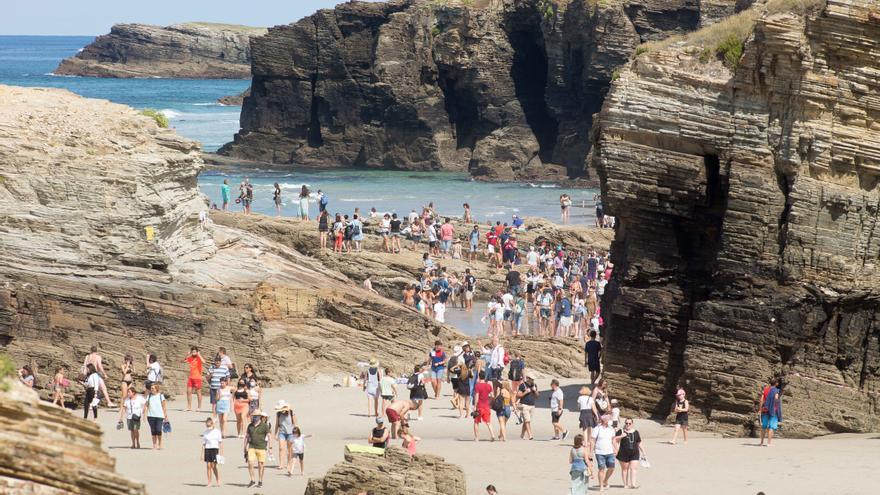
(746, 193)
(44, 450)
(393, 473)
(196, 50)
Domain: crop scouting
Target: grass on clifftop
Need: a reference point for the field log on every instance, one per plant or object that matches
(159, 117)
(7, 370)
(726, 39)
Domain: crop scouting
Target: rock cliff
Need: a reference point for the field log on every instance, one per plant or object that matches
(101, 245)
(46, 451)
(503, 88)
(745, 189)
(198, 50)
(394, 473)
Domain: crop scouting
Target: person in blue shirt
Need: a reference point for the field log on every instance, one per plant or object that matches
(224, 194)
(438, 361)
(517, 222)
(564, 316)
(474, 239)
(771, 411)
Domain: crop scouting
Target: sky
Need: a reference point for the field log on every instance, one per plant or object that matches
(93, 17)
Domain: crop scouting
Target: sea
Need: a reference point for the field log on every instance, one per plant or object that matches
(192, 109)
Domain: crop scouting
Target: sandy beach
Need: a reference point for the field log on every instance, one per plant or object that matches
(335, 416)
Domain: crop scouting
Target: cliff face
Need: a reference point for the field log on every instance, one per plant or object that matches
(197, 50)
(79, 183)
(46, 451)
(747, 205)
(501, 88)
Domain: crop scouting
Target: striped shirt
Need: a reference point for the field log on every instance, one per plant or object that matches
(217, 374)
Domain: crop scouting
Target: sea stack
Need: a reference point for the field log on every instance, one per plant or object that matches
(504, 90)
(742, 166)
(195, 50)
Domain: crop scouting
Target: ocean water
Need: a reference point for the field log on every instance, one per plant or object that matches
(399, 192)
(190, 105)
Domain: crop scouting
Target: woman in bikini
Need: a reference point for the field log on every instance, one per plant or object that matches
(127, 369)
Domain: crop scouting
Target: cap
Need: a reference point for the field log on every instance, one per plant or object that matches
(380, 420)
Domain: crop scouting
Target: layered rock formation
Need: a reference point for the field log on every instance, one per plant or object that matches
(46, 451)
(82, 180)
(502, 88)
(198, 50)
(394, 473)
(747, 207)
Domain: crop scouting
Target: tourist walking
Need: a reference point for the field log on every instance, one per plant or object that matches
(276, 198)
(503, 404)
(304, 203)
(418, 393)
(215, 375)
(557, 407)
(603, 449)
(154, 372)
(629, 452)
(565, 206)
(580, 467)
(156, 411)
(59, 385)
(224, 403)
(526, 396)
(592, 356)
(588, 417)
(211, 441)
(516, 373)
(224, 194)
(127, 369)
(299, 450)
(95, 360)
(771, 411)
(131, 412)
(680, 408)
(240, 401)
(370, 378)
(285, 424)
(323, 228)
(94, 385)
(483, 395)
(194, 383)
(600, 398)
(387, 388)
(438, 360)
(256, 442)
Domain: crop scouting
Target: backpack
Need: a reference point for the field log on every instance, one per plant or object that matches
(516, 371)
(498, 403)
(355, 230)
(158, 377)
(506, 357)
(413, 381)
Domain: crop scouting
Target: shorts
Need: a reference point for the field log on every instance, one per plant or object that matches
(445, 245)
(682, 419)
(395, 234)
(587, 419)
(439, 374)
(432, 244)
(223, 406)
(285, 437)
(133, 425)
(483, 416)
(769, 422)
(373, 391)
(155, 425)
(211, 455)
(212, 395)
(473, 248)
(388, 397)
(565, 321)
(526, 412)
(545, 313)
(469, 295)
(594, 366)
(258, 455)
(194, 383)
(554, 417)
(605, 461)
(507, 314)
(393, 417)
(491, 249)
(299, 455)
(503, 413)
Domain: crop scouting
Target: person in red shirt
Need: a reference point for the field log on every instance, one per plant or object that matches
(194, 382)
(483, 414)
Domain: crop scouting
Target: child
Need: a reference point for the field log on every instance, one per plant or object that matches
(409, 440)
(299, 448)
(211, 439)
(615, 413)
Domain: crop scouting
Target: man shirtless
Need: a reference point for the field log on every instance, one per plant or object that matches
(94, 359)
(396, 411)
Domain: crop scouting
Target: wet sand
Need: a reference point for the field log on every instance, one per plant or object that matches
(838, 464)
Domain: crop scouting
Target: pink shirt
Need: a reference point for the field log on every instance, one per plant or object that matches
(446, 232)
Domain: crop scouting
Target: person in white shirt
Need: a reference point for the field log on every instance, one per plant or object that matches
(532, 257)
(603, 449)
(507, 301)
(130, 410)
(587, 407)
(211, 442)
(600, 285)
(557, 404)
(154, 371)
(299, 448)
(496, 361)
(440, 311)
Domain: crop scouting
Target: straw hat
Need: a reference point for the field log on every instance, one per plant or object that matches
(282, 405)
(374, 362)
(259, 412)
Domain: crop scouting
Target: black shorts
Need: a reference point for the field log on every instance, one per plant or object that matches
(387, 397)
(587, 419)
(299, 456)
(464, 388)
(554, 417)
(155, 425)
(211, 455)
(433, 244)
(594, 366)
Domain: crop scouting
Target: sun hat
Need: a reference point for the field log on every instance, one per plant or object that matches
(465, 344)
(374, 362)
(282, 405)
(259, 412)
(531, 375)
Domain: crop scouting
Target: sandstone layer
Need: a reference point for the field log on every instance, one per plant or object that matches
(197, 50)
(394, 473)
(747, 207)
(46, 451)
(101, 245)
(505, 89)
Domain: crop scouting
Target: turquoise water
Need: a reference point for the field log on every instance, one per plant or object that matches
(191, 107)
(190, 104)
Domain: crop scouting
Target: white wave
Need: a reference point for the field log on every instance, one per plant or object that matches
(209, 104)
(287, 185)
(543, 186)
(80, 50)
(362, 200)
(57, 75)
(171, 114)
